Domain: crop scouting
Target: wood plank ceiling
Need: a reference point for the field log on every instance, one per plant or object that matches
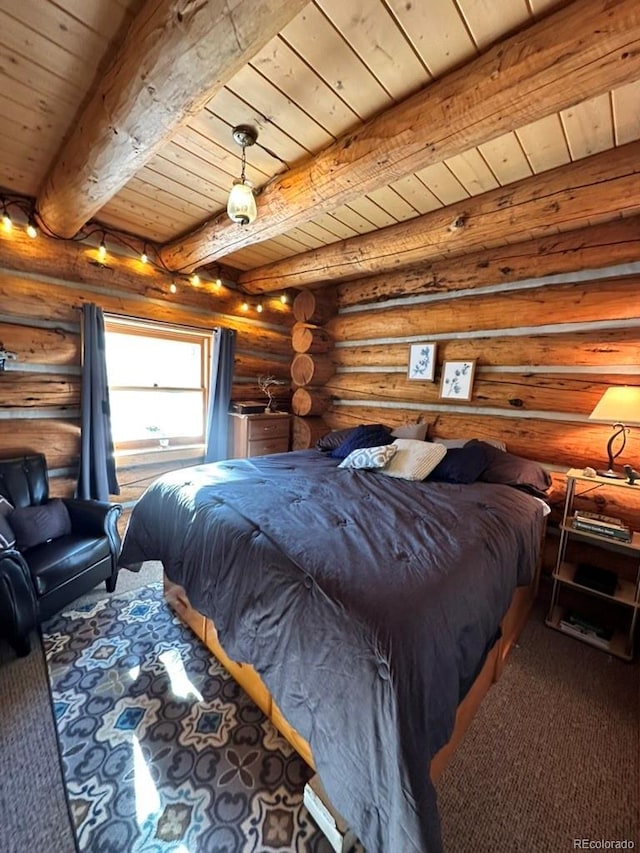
(332, 68)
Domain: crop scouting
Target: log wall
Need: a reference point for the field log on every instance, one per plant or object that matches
(43, 284)
(548, 339)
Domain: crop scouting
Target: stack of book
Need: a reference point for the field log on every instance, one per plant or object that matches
(602, 525)
(573, 623)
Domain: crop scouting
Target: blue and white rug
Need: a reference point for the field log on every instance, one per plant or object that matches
(161, 750)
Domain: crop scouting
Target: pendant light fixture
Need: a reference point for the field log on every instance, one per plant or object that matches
(241, 205)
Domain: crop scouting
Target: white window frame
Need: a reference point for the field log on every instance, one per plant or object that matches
(170, 332)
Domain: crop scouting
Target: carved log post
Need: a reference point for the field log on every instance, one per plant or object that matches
(305, 337)
(306, 431)
(311, 370)
(315, 306)
(312, 365)
(309, 401)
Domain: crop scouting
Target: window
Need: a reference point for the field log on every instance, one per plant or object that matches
(157, 383)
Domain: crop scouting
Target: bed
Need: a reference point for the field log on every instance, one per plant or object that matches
(369, 607)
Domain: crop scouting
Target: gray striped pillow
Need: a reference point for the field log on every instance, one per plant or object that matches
(415, 459)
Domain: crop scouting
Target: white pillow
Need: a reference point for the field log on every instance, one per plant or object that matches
(414, 460)
(417, 431)
(369, 457)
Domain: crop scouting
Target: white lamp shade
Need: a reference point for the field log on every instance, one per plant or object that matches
(241, 205)
(619, 405)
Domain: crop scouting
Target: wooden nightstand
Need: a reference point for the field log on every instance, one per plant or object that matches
(258, 435)
(624, 595)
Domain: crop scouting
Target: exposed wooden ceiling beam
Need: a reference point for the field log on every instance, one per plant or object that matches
(576, 53)
(591, 191)
(176, 55)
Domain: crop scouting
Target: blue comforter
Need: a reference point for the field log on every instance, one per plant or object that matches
(366, 603)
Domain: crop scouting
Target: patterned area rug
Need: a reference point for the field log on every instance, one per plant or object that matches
(161, 750)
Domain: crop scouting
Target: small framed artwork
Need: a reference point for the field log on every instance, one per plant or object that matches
(457, 380)
(422, 362)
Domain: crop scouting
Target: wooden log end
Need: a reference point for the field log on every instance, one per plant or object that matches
(307, 369)
(309, 401)
(315, 306)
(306, 431)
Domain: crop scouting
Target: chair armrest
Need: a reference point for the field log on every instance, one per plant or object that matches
(18, 605)
(97, 518)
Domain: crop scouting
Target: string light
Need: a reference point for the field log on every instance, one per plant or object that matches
(33, 227)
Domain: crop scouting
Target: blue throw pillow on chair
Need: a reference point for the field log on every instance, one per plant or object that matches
(34, 525)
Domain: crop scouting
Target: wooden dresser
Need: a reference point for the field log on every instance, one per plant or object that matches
(258, 435)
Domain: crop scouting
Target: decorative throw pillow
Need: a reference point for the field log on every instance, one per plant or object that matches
(414, 459)
(512, 470)
(370, 435)
(334, 438)
(417, 431)
(34, 525)
(369, 457)
(7, 536)
(460, 465)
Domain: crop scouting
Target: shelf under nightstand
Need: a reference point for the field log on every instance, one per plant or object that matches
(625, 598)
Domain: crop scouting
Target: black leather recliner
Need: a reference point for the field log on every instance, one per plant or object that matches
(37, 582)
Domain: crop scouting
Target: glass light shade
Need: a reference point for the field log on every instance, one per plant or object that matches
(241, 205)
(618, 405)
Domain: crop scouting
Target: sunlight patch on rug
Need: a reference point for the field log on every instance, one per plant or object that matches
(161, 750)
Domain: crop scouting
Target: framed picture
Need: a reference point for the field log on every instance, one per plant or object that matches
(422, 362)
(457, 380)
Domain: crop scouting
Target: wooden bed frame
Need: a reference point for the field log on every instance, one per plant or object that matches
(247, 677)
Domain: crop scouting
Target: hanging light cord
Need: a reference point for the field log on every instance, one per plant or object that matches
(244, 163)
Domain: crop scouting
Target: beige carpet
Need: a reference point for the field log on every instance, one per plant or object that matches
(552, 756)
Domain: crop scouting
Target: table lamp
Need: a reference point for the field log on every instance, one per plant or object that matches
(620, 406)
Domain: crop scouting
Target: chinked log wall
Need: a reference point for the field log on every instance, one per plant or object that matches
(43, 284)
(552, 323)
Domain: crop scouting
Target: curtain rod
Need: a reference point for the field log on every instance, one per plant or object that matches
(128, 318)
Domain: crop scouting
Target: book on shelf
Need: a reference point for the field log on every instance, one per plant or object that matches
(582, 635)
(580, 626)
(597, 516)
(622, 534)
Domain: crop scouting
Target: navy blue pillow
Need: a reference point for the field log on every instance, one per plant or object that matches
(512, 470)
(34, 525)
(369, 435)
(460, 465)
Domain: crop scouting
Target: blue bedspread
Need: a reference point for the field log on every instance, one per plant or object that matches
(366, 603)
